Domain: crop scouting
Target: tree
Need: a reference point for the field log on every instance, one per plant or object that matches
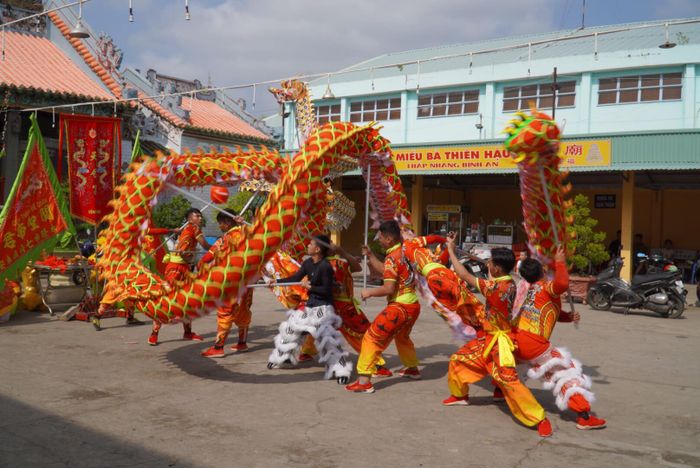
(241, 198)
(171, 214)
(587, 245)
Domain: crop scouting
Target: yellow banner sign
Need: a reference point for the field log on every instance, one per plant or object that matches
(443, 208)
(582, 153)
(438, 217)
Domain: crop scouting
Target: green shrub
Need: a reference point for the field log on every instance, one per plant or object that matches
(238, 200)
(587, 245)
(171, 214)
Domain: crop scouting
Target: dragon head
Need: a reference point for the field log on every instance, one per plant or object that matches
(291, 90)
(531, 134)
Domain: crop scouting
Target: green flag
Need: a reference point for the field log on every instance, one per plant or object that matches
(35, 213)
(136, 150)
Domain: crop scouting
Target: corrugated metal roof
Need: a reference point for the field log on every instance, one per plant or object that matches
(670, 151)
(612, 38)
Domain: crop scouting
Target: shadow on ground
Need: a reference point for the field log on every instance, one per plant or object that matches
(230, 368)
(33, 437)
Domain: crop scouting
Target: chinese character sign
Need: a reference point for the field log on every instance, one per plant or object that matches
(94, 144)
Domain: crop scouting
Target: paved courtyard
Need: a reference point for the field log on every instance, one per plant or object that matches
(70, 396)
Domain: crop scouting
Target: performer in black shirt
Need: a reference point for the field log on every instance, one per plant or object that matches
(316, 317)
(316, 275)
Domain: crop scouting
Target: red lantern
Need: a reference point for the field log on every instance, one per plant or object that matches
(218, 194)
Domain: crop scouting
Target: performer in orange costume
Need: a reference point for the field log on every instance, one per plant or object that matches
(444, 290)
(180, 264)
(239, 311)
(396, 320)
(491, 353)
(154, 247)
(112, 295)
(355, 322)
(536, 311)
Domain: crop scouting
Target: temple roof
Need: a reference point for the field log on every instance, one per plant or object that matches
(210, 116)
(33, 62)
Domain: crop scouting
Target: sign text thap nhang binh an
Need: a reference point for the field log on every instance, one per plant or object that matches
(581, 153)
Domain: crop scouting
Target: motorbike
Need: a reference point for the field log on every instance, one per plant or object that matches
(654, 264)
(662, 292)
(474, 265)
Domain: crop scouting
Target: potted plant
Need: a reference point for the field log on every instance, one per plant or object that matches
(586, 245)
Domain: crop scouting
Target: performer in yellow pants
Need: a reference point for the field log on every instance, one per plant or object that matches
(468, 366)
(491, 353)
(397, 319)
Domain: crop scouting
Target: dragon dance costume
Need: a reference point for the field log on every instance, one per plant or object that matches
(446, 293)
(396, 321)
(113, 295)
(491, 353)
(354, 321)
(178, 265)
(317, 318)
(536, 311)
(239, 310)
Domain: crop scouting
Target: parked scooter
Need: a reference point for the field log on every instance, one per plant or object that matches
(474, 265)
(653, 264)
(661, 292)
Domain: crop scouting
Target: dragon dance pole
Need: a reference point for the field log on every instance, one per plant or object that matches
(250, 200)
(150, 254)
(274, 285)
(366, 258)
(550, 213)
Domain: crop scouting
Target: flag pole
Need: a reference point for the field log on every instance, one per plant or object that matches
(366, 258)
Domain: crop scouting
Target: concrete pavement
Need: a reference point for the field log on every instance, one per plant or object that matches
(70, 396)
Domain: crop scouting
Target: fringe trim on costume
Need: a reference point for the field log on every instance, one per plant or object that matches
(562, 401)
(322, 323)
(561, 374)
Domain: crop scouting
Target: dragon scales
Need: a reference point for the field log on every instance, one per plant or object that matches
(288, 216)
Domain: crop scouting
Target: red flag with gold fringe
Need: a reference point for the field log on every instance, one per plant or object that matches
(94, 146)
(35, 213)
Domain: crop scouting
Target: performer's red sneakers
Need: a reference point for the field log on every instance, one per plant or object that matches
(382, 372)
(153, 339)
(357, 387)
(303, 357)
(544, 428)
(239, 347)
(214, 352)
(192, 336)
(587, 422)
(498, 395)
(410, 373)
(456, 401)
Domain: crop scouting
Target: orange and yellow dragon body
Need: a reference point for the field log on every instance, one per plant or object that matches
(294, 211)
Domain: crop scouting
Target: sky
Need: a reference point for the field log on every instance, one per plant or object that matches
(245, 41)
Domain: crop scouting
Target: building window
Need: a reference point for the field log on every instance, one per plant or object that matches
(519, 97)
(442, 104)
(327, 113)
(640, 88)
(377, 110)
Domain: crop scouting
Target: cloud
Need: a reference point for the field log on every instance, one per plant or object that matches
(246, 40)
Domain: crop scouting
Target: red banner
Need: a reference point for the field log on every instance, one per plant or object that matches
(33, 215)
(94, 145)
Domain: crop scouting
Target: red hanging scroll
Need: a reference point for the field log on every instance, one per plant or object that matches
(94, 146)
